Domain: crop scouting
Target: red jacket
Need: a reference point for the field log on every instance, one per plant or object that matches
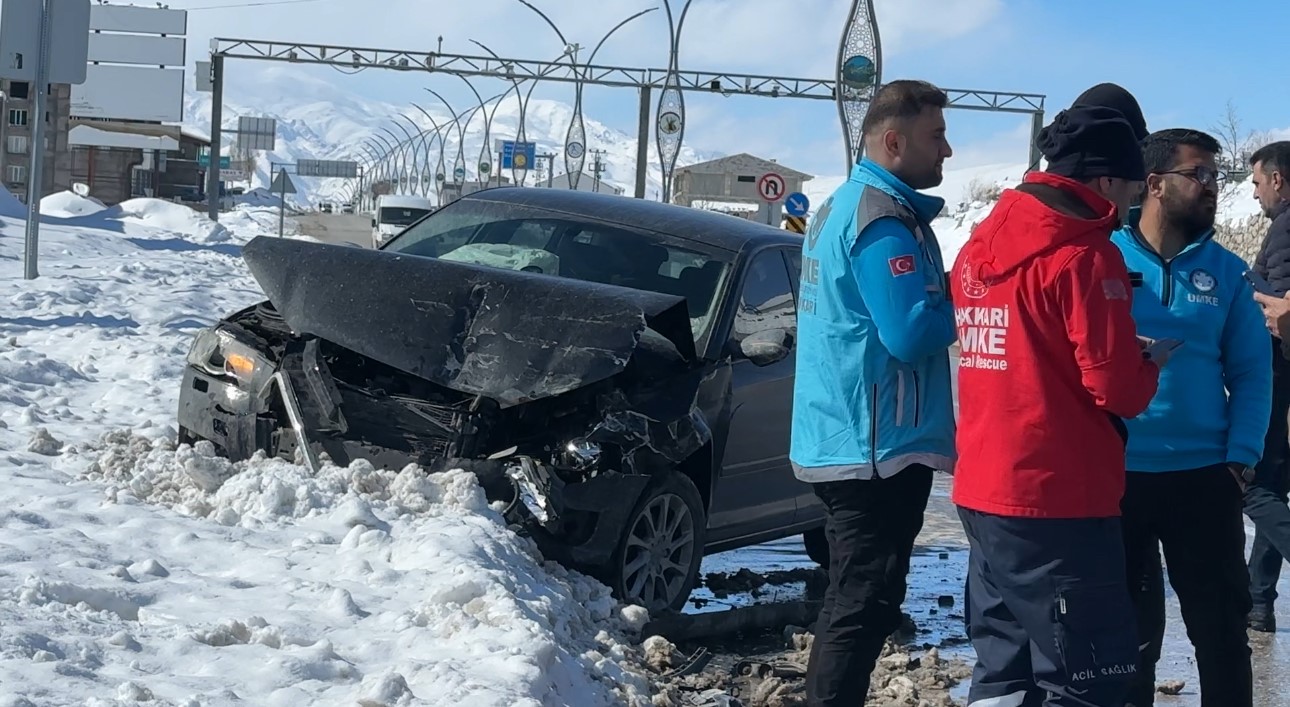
(1050, 361)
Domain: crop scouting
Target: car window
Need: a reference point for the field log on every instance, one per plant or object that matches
(520, 237)
(766, 299)
(794, 269)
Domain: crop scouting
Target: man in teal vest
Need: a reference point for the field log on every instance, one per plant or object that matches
(872, 411)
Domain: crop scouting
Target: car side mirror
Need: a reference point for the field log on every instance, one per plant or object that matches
(766, 347)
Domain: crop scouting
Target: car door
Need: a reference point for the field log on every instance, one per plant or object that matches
(756, 491)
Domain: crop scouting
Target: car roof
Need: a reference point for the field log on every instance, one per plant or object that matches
(708, 227)
(404, 200)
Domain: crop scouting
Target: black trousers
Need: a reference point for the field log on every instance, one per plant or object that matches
(1265, 501)
(871, 528)
(1196, 517)
(1048, 612)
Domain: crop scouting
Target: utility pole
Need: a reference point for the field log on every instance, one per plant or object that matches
(550, 170)
(597, 166)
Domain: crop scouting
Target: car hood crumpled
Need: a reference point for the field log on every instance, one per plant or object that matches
(510, 336)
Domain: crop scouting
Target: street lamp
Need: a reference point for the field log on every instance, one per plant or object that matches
(484, 168)
(575, 140)
(669, 131)
(518, 173)
(438, 130)
(459, 165)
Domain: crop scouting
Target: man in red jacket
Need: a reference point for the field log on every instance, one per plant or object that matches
(1050, 364)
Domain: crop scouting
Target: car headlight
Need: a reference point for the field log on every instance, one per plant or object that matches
(220, 354)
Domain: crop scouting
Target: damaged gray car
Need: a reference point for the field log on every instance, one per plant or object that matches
(617, 373)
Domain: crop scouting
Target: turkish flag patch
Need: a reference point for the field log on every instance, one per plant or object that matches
(901, 265)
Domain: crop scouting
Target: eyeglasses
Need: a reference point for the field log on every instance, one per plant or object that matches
(1202, 175)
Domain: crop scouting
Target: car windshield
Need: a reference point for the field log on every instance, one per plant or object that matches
(401, 215)
(519, 237)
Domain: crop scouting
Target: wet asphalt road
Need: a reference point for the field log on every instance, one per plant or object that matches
(937, 576)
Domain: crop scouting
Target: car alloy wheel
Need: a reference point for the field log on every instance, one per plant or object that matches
(659, 556)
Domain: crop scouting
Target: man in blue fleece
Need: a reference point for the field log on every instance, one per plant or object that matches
(872, 409)
(1190, 455)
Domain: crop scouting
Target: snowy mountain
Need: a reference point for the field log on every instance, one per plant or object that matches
(318, 119)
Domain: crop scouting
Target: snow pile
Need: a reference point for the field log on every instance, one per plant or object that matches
(67, 204)
(411, 577)
(169, 217)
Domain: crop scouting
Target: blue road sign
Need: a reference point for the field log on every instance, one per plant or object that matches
(518, 155)
(797, 204)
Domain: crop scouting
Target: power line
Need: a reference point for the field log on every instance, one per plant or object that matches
(249, 4)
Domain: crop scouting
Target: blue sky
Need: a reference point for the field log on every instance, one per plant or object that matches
(1184, 59)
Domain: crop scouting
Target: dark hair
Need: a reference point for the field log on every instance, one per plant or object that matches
(901, 100)
(1275, 157)
(1160, 149)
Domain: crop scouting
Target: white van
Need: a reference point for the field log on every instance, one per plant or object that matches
(395, 213)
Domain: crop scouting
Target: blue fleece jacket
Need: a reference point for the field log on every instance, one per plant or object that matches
(872, 393)
(1215, 395)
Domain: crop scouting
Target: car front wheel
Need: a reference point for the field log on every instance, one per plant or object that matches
(658, 557)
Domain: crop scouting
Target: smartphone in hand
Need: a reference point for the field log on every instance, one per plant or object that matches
(1160, 350)
(1259, 284)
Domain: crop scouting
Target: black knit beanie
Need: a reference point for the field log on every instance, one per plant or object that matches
(1085, 142)
(1110, 95)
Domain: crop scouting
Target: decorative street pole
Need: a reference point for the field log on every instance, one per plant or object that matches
(669, 130)
(439, 176)
(859, 75)
(484, 168)
(575, 143)
(519, 169)
(459, 164)
(575, 140)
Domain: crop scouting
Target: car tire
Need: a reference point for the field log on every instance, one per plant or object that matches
(817, 546)
(658, 570)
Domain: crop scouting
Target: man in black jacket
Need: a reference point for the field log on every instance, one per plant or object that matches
(1271, 173)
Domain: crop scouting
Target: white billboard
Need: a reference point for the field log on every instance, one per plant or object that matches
(128, 78)
(130, 93)
(145, 20)
(136, 49)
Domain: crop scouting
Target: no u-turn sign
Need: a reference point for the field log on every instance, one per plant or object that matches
(771, 187)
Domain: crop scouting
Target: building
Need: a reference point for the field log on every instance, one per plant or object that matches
(17, 105)
(586, 182)
(120, 160)
(734, 181)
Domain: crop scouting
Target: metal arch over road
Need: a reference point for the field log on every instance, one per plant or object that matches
(645, 80)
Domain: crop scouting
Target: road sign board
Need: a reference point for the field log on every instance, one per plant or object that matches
(257, 133)
(518, 155)
(771, 187)
(204, 78)
(282, 184)
(233, 175)
(204, 159)
(69, 40)
(796, 224)
(796, 204)
(339, 169)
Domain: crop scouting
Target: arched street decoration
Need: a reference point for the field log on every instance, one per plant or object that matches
(459, 164)
(669, 128)
(519, 170)
(859, 75)
(575, 139)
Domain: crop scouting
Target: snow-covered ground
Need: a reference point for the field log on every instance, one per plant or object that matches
(134, 572)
